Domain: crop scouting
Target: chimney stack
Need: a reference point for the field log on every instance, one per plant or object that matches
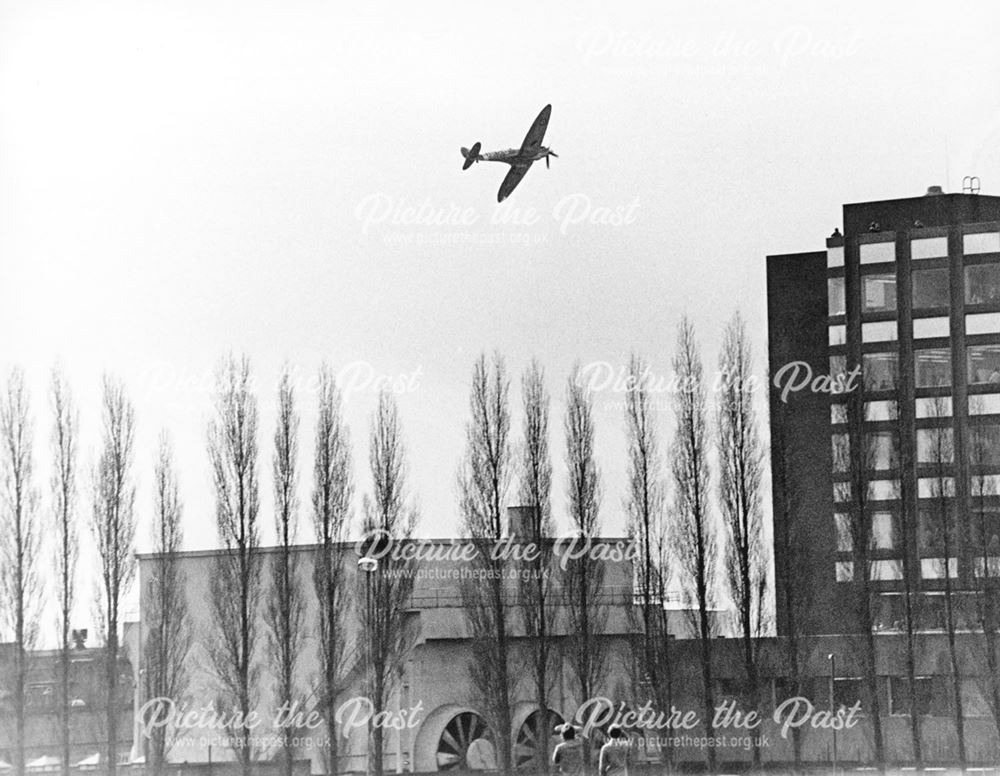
(79, 638)
(520, 523)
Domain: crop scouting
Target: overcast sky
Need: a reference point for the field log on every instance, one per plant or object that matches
(181, 180)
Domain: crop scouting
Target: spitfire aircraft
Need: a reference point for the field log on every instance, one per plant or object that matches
(519, 159)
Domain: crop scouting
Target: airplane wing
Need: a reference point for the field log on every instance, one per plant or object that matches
(533, 139)
(513, 178)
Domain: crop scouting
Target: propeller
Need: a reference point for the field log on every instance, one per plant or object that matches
(550, 153)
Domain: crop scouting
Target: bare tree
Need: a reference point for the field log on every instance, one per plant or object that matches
(987, 576)
(904, 520)
(483, 480)
(388, 519)
(331, 503)
(697, 541)
(19, 543)
(537, 605)
(740, 490)
(168, 638)
(586, 645)
(113, 524)
(645, 505)
(855, 456)
(942, 459)
(236, 574)
(64, 444)
(794, 593)
(285, 606)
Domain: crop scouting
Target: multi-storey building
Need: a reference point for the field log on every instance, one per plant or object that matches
(893, 333)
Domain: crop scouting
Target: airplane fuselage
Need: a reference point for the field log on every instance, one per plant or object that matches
(514, 156)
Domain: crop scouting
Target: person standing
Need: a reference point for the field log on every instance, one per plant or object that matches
(567, 757)
(616, 754)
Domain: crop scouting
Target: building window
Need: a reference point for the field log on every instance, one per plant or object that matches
(876, 253)
(883, 490)
(929, 248)
(987, 566)
(934, 568)
(842, 523)
(835, 296)
(847, 692)
(880, 331)
(984, 364)
(844, 570)
(930, 288)
(935, 487)
(879, 410)
(982, 284)
(882, 451)
(984, 404)
(984, 444)
(838, 334)
(982, 323)
(838, 413)
(841, 449)
(925, 328)
(889, 614)
(882, 530)
(933, 617)
(879, 371)
(885, 570)
(935, 445)
(878, 293)
(841, 492)
(982, 485)
(934, 407)
(835, 256)
(902, 701)
(930, 531)
(933, 367)
(983, 242)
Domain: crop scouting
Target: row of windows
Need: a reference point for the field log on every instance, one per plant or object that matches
(923, 328)
(926, 407)
(930, 568)
(920, 248)
(934, 446)
(930, 289)
(932, 536)
(888, 490)
(981, 486)
(932, 367)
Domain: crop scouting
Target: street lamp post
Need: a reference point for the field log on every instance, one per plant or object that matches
(368, 566)
(833, 672)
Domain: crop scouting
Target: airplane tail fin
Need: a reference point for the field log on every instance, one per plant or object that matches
(471, 155)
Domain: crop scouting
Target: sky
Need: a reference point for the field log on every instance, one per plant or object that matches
(179, 181)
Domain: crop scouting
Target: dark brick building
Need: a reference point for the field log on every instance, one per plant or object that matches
(897, 322)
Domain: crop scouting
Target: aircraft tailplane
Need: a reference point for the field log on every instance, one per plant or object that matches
(471, 155)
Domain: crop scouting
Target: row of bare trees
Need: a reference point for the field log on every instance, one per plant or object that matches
(681, 542)
(259, 608)
(255, 618)
(112, 524)
(684, 544)
(933, 550)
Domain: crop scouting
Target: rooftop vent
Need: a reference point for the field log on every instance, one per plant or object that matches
(934, 191)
